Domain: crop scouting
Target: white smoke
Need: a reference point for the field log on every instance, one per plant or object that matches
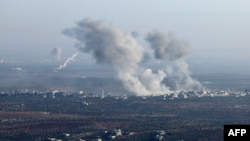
(57, 53)
(118, 48)
(172, 52)
(67, 61)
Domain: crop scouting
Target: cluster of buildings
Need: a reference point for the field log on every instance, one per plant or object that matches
(81, 93)
(208, 93)
(158, 135)
(106, 135)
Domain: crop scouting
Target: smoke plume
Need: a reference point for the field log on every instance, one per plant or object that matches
(172, 51)
(67, 61)
(57, 53)
(113, 46)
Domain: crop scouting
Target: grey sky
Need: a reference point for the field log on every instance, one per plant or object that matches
(217, 30)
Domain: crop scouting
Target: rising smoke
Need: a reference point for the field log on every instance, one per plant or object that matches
(166, 46)
(118, 48)
(57, 53)
(172, 52)
(67, 61)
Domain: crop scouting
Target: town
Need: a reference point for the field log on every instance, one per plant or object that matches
(60, 115)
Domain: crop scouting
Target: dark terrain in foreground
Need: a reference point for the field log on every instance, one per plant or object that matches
(73, 117)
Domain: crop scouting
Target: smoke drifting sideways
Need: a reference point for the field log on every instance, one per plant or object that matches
(57, 53)
(65, 64)
(113, 46)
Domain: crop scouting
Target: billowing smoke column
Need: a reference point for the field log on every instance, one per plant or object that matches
(113, 46)
(67, 61)
(172, 52)
(57, 53)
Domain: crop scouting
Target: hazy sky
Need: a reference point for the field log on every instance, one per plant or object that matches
(217, 31)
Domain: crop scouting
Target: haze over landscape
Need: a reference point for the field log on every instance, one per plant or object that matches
(160, 41)
(123, 70)
(216, 32)
(163, 43)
